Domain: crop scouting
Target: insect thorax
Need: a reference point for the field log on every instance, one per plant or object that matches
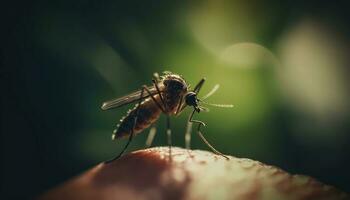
(174, 89)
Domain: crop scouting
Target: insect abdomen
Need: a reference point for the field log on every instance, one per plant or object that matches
(148, 113)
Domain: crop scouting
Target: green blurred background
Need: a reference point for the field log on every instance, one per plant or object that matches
(284, 65)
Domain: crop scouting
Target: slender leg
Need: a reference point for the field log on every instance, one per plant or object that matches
(168, 132)
(160, 95)
(164, 108)
(200, 123)
(124, 149)
(188, 134)
(153, 98)
(199, 85)
(188, 137)
(152, 133)
(132, 130)
(196, 89)
(180, 107)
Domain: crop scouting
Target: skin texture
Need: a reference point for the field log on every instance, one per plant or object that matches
(150, 174)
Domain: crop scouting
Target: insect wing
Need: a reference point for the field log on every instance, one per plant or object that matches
(130, 98)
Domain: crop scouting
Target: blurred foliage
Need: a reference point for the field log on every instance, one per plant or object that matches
(283, 65)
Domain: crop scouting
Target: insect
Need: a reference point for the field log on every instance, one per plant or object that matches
(170, 95)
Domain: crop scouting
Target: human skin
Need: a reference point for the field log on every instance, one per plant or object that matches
(195, 174)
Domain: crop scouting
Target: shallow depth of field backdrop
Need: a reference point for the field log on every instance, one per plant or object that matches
(285, 67)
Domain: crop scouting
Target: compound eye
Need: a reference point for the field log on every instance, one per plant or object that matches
(191, 99)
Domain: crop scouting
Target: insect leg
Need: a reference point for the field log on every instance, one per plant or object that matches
(160, 95)
(168, 132)
(199, 85)
(152, 133)
(196, 89)
(132, 130)
(188, 134)
(154, 99)
(180, 107)
(200, 123)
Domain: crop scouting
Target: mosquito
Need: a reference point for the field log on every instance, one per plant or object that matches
(170, 95)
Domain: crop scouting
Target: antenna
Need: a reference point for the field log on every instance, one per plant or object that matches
(217, 105)
(212, 91)
(205, 109)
